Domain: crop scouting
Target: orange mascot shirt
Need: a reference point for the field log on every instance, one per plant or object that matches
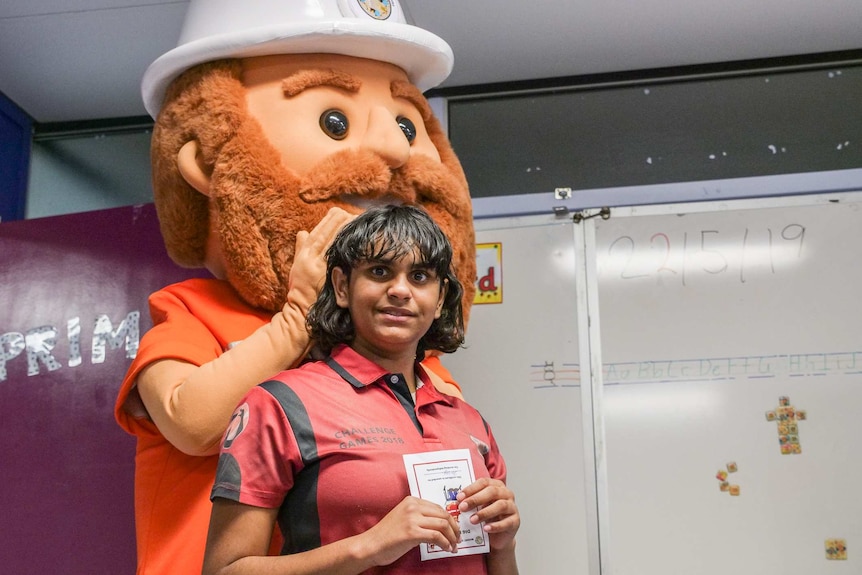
(193, 321)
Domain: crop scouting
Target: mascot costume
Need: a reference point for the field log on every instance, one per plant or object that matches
(276, 121)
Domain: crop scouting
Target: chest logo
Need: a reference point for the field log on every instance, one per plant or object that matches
(483, 447)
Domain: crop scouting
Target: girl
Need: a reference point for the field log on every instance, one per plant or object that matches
(319, 448)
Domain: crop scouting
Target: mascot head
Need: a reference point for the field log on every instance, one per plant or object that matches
(270, 112)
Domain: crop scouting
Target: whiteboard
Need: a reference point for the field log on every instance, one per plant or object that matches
(708, 317)
(519, 369)
(711, 317)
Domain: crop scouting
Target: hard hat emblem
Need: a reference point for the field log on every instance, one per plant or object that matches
(377, 9)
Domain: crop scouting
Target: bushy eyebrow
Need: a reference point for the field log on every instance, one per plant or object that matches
(408, 91)
(306, 79)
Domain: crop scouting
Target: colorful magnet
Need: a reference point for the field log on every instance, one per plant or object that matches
(836, 549)
(723, 485)
(786, 416)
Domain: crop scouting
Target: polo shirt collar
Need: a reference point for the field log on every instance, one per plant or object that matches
(355, 369)
(359, 372)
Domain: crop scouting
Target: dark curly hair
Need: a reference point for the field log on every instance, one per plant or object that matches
(387, 233)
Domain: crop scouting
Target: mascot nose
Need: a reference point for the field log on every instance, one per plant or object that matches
(385, 138)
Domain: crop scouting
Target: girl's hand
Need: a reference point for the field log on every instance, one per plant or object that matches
(498, 510)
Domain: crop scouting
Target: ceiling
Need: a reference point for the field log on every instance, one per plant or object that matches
(75, 60)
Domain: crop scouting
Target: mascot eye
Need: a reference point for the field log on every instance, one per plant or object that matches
(334, 123)
(408, 127)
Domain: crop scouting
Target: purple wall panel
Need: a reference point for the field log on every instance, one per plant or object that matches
(73, 305)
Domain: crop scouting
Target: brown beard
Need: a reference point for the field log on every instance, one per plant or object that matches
(261, 207)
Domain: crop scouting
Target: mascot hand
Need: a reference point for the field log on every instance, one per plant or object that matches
(307, 276)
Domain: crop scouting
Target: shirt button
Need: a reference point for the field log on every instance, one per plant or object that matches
(393, 378)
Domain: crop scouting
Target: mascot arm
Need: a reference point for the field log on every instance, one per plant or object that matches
(191, 405)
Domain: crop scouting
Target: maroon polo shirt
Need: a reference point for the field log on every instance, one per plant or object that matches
(324, 444)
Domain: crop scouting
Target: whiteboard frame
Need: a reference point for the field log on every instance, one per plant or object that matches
(774, 186)
(589, 344)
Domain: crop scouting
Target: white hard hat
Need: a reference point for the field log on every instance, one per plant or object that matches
(373, 29)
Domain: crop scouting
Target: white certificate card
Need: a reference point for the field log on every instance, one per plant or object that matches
(438, 476)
